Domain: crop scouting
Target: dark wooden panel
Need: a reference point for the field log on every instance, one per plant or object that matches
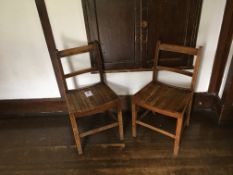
(113, 25)
(227, 97)
(173, 22)
(226, 114)
(224, 43)
(209, 102)
(32, 106)
(116, 31)
(128, 30)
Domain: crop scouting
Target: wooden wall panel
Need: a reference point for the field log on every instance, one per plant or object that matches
(223, 48)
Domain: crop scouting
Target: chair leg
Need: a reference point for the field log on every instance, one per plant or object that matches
(120, 122)
(134, 118)
(189, 113)
(178, 135)
(76, 133)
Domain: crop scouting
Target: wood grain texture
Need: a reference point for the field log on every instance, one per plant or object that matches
(20, 107)
(134, 26)
(74, 51)
(162, 97)
(227, 98)
(80, 72)
(89, 100)
(54, 106)
(101, 94)
(82, 101)
(179, 49)
(184, 72)
(45, 146)
(166, 99)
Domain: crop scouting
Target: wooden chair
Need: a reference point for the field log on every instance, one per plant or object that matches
(167, 100)
(91, 99)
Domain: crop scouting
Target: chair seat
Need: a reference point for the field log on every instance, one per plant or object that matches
(162, 98)
(91, 98)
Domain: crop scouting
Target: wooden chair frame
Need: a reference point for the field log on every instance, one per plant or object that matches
(179, 116)
(73, 114)
(111, 101)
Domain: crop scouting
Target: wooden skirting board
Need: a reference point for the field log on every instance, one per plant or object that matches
(43, 106)
(32, 106)
(202, 101)
(226, 115)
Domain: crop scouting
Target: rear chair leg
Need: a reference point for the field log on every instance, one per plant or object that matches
(120, 122)
(134, 118)
(189, 113)
(178, 134)
(76, 133)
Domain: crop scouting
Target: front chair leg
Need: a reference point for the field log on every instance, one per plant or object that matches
(120, 122)
(76, 133)
(134, 118)
(178, 135)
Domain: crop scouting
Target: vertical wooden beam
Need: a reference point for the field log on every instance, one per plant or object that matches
(227, 97)
(44, 19)
(223, 49)
(226, 115)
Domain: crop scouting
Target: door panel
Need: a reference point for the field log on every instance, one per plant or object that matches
(170, 22)
(128, 30)
(116, 31)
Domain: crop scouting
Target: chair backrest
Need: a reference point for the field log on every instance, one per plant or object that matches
(92, 48)
(177, 49)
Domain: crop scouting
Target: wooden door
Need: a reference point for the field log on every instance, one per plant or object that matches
(112, 23)
(174, 22)
(128, 29)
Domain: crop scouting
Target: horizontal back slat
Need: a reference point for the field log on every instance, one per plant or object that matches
(180, 71)
(178, 49)
(72, 74)
(76, 50)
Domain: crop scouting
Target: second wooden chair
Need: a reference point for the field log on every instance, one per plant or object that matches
(165, 99)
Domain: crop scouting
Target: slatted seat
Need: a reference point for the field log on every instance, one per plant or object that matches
(161, 97)
(165, 99)
(82, 102)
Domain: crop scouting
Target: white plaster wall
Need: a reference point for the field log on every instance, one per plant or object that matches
(26, 70)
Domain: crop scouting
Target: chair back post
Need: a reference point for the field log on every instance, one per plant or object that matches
(99, 61)
(51, 45)
(156, 59)
(63, 79)
(196, 67)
